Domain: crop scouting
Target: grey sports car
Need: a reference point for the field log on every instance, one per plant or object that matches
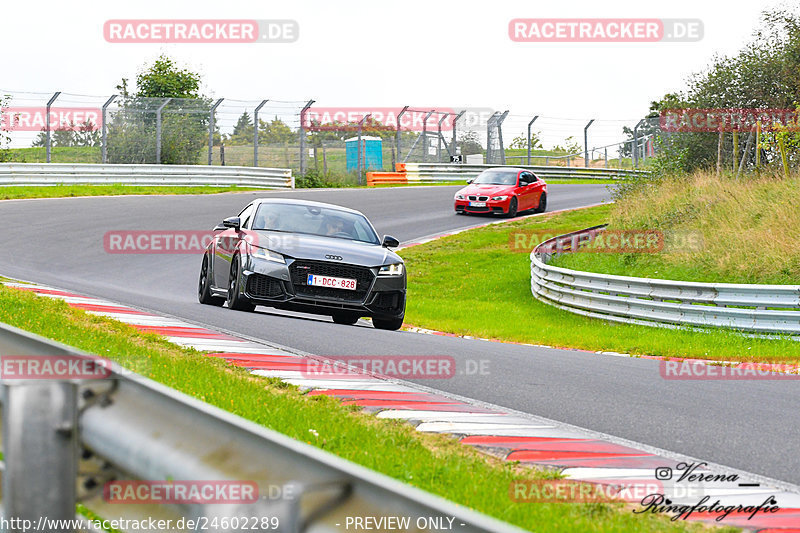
(305, 256)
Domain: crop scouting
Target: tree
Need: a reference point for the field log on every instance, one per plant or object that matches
(469, 143)
(275, 131)
(242, 131)
(184, 119)
(520, 142)
(765, 73)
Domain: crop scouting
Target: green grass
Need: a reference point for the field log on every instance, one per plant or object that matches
(473, 283)
(436, 463)
(64, 191)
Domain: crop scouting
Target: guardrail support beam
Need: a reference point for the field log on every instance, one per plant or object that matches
(40, 452)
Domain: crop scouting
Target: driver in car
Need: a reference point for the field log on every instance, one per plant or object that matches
(333, 225)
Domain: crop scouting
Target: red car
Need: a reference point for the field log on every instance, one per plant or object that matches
(503, 190)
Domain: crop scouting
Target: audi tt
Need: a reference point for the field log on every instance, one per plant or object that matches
(305, 256)
(505, 191)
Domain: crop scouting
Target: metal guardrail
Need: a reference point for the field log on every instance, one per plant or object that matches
(459, 172)
(763, 309)
(42, 174)
(63, 440)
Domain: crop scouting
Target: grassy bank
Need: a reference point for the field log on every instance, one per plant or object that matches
(746, 230)
(476, 283)
(436, 463)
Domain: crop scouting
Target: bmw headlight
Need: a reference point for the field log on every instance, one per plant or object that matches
(391, 270)
(459, 196)
(269, 255)
(499, 198)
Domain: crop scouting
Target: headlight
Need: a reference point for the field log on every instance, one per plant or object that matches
(269, 255)
(391, 270)
(459, 196)
(499, 198)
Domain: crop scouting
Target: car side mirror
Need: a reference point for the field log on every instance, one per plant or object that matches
(232, 222)
(470, 180)
(523, 183)
(390, 242)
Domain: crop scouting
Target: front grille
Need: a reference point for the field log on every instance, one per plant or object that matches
(261, 286)
(478, 198)
(479, 208)
(300, 269)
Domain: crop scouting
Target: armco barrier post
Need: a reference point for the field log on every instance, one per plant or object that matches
(40, 452)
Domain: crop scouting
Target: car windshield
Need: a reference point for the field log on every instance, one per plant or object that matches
(314, 220)
(497, 177)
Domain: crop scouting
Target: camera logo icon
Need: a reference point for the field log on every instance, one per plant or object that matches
(663, 473)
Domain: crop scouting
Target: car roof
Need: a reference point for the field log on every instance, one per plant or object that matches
(293, 201)
(515, 169)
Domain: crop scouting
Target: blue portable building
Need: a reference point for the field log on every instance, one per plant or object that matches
(371, 153)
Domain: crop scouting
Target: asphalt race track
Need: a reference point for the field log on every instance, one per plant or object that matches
(60, 242)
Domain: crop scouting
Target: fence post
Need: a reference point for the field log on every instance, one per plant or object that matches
(158, 130)
(397, 135)
(454, 142)
(489, 124)
(359, 166)
(302, 133)
(47, 121)
(40, 452)
(499, 123)
(425, 136)
(211, 130)
(529, 137)
(439, 139)
(104, 129)
(586, 144)
(635, 146)
(255, 131)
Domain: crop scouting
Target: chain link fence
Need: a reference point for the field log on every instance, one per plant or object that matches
(334, 145)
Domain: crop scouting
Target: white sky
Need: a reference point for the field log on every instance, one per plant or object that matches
(372, 53)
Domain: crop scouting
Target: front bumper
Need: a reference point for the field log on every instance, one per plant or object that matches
(283, 287)
(492, 206)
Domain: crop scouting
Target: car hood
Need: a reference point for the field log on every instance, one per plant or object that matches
(487, 189)
(300, 246)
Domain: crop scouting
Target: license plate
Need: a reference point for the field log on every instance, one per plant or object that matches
(477, 204)
(333, 283)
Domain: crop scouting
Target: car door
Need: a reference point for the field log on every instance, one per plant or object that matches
(225, 244)
(527, 195)
(537, 187)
